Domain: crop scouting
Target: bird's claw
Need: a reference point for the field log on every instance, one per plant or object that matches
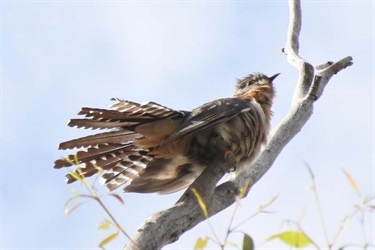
(229, 157)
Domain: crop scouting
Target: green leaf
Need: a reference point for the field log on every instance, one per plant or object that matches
(293, 238)
(67, 159)
(75, 175)
(108, 239)
(247, 243)
(201, 243)
(200, 202)
(104, 225)
(76, 161)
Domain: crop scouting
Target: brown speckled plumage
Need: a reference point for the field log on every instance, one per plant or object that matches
(152, 148)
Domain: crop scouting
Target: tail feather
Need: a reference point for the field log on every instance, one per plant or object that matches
(110, 161)
(119, 137)
(116, 166)
(149, 109)
(94, 124)
(129, 111)
(123, 152)
(111, 115)
(124, 172)
(104, 153)
(92, 153)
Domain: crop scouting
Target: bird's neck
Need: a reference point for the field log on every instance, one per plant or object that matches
(262, 95)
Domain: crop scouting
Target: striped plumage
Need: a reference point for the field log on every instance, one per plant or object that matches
(152, 148)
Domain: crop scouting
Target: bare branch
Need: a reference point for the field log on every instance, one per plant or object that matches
(295, 24)
(292, 48)
(165, 227)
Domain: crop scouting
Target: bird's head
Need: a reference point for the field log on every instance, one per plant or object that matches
(253, 82)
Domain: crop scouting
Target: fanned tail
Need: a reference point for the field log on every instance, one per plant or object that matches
(121, 153)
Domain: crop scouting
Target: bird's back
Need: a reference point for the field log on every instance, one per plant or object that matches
(152, 148)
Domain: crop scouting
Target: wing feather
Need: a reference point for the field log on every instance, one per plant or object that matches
(216, 112)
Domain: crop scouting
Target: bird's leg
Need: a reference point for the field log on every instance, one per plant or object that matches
(230, 159)
(206, 183)
(229, 152)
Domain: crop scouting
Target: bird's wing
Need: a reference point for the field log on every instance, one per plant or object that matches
(171, 170)
(213, 113)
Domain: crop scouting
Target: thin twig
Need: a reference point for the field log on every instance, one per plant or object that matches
(118, 226)
(318, 205)
(229, 228)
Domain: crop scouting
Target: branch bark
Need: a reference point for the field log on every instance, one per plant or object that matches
(167, 226)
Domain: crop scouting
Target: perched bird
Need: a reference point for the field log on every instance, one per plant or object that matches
(152, 148)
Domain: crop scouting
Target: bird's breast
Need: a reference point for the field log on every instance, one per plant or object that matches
(244, 135)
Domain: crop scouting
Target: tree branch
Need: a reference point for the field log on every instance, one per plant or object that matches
(165, 227)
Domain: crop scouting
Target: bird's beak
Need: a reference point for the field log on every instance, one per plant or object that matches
(273, 77)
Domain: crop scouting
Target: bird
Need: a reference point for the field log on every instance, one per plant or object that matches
(151, 148)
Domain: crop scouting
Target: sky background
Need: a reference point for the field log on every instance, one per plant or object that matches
(57, 56)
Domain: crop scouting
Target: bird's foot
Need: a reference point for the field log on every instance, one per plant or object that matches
(230, 160)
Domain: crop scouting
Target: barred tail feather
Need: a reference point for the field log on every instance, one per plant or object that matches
(119, 137)
(123, 152)
(125, 171)
(149, 109)
(93, 124)
(93, 153)
(103, 114)
(129, 111)
(118, 164)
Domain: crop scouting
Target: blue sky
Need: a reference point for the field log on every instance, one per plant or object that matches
(58, 56)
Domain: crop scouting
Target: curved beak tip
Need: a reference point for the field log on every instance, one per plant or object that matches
(274, 76)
